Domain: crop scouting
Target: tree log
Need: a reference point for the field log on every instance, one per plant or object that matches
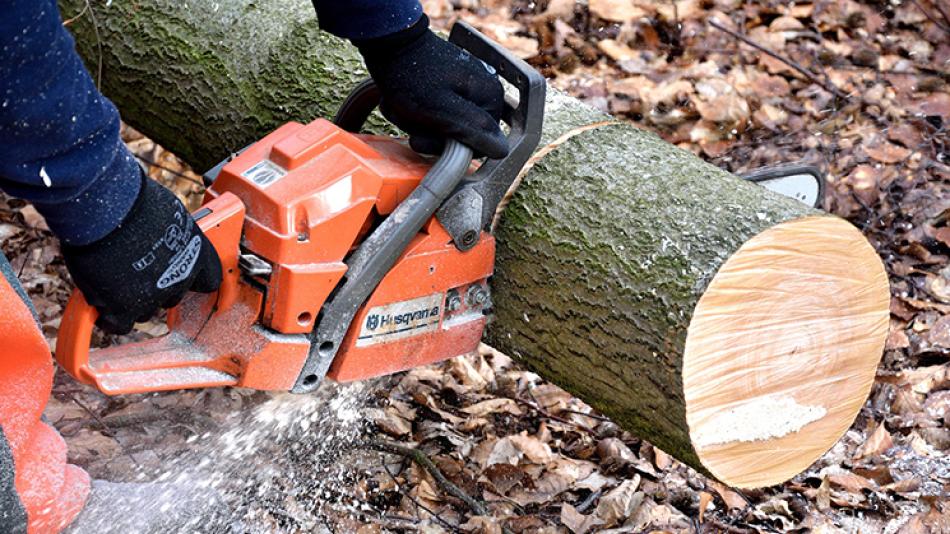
(734, 328)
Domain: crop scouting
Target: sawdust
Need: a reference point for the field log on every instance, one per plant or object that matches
(284, 466)
(764, 418)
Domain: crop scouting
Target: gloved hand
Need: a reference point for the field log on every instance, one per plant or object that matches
(155, 256)
(435, 90)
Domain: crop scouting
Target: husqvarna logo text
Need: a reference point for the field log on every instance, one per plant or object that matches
(401, 319)
(375, 321)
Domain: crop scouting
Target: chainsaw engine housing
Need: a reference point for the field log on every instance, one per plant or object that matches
(311, 193)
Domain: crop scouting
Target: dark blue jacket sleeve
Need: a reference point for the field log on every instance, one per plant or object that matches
(366, 19)
(59, 137)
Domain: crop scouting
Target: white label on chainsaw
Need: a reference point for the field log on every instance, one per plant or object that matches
(264, 173)
(401, 320)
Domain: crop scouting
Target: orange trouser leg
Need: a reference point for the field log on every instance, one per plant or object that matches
(46, 493)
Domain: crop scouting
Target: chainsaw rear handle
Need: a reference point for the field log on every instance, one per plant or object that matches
(472, 206)
(221, 221)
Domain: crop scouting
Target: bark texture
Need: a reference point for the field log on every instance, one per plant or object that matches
(604, 249)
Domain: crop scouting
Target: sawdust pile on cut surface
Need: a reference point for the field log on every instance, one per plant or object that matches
(768, 417)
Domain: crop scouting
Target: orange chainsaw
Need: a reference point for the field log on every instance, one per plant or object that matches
(344, 255)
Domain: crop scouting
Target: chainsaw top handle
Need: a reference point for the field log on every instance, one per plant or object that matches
(472, 206)
(465, 204)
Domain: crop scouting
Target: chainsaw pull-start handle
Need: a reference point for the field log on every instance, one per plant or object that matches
(221, 221)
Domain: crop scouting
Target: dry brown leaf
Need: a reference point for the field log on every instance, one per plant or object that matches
(620, 503)
(58, 411)
(679, 10)
(502, 405)
(512, 449)
(823, 495)
(939, 287)
(896, 336)
(466, 373)
(663, 102)
(577, 522)
(369, 529)
(390, 422)
(616, 10)
(504, 477)
(613, 449)
(885, 152)
(502, 29)
(424, 491)
(560, 9)
(481, 525)
(733, 500)
(904, 486)
(482, 453)
(878, 441)
(801, 11)
(653, 514)
(915, 525)
(32, 218)
(595, 481)
(718, 101)
(770, 116)
(87, 445)
(705, 499)
(849, 482)
(559, 476)
(933, 521)
(504, 451)
(939, 334)
(533, 449)
(786, 24)
(661, 459)
(924, 379)
(426, 400)
(864, 182)
(7, 231)
(934, 104)
(920, 445)
(942, 234)
(551, 398)
(616, 50)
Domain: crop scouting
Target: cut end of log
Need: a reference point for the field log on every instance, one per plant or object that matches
(782, 350)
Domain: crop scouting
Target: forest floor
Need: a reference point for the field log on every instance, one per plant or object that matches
(860, 89)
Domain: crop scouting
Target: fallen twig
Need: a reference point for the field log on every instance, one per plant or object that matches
(148, 161)
(591, 415)
(534, 406)
(418, 504)
(107, 430)
(423, 461)
(932, 18)
(826, 85)
(104, 428)
(588, 502)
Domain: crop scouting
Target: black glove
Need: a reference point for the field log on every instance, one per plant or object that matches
(435, 90)
(155, 256)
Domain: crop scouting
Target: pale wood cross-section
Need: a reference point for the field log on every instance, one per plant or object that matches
(782, 350)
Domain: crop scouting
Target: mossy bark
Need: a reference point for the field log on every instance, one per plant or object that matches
(604, 249)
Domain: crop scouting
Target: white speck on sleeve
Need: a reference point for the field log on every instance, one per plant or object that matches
(45, 176)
